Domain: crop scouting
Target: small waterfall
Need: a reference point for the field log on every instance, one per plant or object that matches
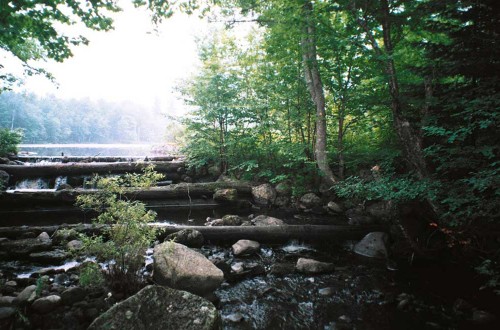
(38, 183)
(60, 180)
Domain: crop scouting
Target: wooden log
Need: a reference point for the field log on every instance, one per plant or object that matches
(175, 191)
(267, 234)
(88, 159)
(70, 169)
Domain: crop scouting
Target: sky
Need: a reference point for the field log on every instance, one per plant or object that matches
(130, 63)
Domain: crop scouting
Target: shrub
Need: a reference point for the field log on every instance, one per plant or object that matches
(9, 141)
(124, 240)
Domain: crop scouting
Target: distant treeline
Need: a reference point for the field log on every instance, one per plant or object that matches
(52, 120)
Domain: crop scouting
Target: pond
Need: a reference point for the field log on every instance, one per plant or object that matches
(93, 149)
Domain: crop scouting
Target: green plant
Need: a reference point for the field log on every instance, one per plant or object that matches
(126, 234)
(91, 275)
(9, 141)
(41, 283)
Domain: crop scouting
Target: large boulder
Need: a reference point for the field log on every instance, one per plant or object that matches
(226, 195)
(156, 307)
(46, 304)
(373, 245)
(309, 201)
(189, 237)
(181, 268)
(26, 296)
(245, 247)
(311, 266)
(264, 220)
(264, 194)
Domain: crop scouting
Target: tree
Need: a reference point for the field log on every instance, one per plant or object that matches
(29, 29)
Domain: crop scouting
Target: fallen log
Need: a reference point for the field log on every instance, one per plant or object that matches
(175, 191)
(88, 159)
(266, 234)
(18, 172)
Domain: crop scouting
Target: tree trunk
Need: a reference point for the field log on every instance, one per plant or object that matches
(315, 87)
(176, 191)
(267, 234)
(58, 169)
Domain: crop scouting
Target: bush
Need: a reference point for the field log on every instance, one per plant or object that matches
(9, 141)
(124, 240)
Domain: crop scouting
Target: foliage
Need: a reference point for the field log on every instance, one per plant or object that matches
(42, 283)
(30, 30)
(490, 270)
(9, 141)
(126, 236)
(90, 275)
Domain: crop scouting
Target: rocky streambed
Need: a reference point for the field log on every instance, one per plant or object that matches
(295, 285)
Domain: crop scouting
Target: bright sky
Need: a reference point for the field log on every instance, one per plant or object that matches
(132, 62)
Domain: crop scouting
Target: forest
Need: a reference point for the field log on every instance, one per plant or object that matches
(51, 120)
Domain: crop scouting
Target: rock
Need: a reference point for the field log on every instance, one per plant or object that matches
(6, 312)
(234, 317)
(326, 292)
(232, 220)
(73, 295)
(264, 220)
(280, 269)
(11, 283)
(189, 237)
(43, 236)
(309, 201)
(61, 279)
(482, 317)
(372, 245)
(283, 189)
(245, 247)
(225, 195)
(179, 267)
(4, 160)
(264, 194)
(356, 217)
(380, 210)
(282, 201)
(46, 304)
(74, 245)
(26, 296)
(156, 307)
(403, 304)
(237, 267)
(55, 256)
(311, 266)
(334, 207)
(7, 301)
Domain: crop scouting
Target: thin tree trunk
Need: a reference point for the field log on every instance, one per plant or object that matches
(315, 87)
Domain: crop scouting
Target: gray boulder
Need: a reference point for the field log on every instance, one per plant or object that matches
(334, 207)
(156, 307)
(189, 237)
(26, 296)
(373, 245)
(46, 304)
(73, 295)
(264, 194)
(226, 195)
(74, 245)
(49, 256)
(264, 220)
(6, 312)
(245, 247)
(309, 201)
(6, 301)
(179, 267)
(311, 266)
